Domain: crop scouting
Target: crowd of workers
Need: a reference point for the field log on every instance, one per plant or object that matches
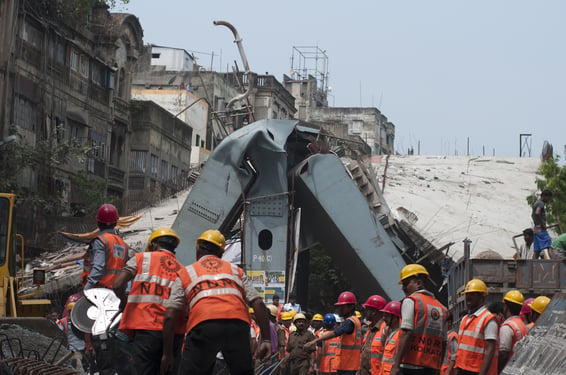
(183, 319)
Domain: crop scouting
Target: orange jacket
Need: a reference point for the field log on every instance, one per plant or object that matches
(425, 348)
(376, 349)
(389, 350)
(452, 335)
(471, 343)
(519, 328)
(151, 287)
(327, 354)
(216, 291)
(116, 256)
(530, 325)
(349, 351)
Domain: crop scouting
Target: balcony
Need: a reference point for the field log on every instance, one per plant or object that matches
(116, 177)
(122, 109)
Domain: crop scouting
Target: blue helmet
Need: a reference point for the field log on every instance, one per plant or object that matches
(329, 319)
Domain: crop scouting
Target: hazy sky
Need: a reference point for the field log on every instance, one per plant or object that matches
(441, 71)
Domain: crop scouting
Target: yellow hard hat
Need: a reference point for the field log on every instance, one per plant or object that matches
(318, 318)
(286, 316)
(475, 285)
(273, 310)
(514, 296)
(358, 314)
(293, 313)
(251, 310)
(70, 306)
(412, 270)
(299, 316)
(162, 232)
(539, 304)
(213, 236)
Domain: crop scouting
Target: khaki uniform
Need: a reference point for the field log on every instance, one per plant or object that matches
(299, 360)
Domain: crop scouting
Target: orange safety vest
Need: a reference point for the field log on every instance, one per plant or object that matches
(530, 325)
(151, 288)
(452, 335)
(425, 348)
(215, 290)
(519, 328)
(328, 353)
(376, 348)
(349, 351)
(116, 256)
(471, 343)
(389, 350)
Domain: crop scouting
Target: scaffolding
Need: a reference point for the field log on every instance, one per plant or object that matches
(310, 61)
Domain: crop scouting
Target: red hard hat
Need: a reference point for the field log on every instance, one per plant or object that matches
(526, 308)
(107, 214)
(346, 298)
(393, 308)
(375, 301)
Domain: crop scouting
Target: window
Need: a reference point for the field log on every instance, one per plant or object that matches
(76, 132)
(137, 161)
(184, 179)
(98, 142)
(356, 127)
(154, 166)
(74, 61)
(197, 143)
(174, 172)
(164, 167)
(84, 66)
(155, 55)
(32, 35)
(25, 115)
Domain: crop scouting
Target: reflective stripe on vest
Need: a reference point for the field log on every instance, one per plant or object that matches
(376, 349)
(389, 350)
(116, 254)
(519, 328)
(425, 348)
(328, 353)
(151, 287)
(452, 335)
(349, 351)
(214, 290)
(471, 342)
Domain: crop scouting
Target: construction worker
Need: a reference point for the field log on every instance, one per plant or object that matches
(287, 322)
(451, 347)
(326, 350)
(513, 328)
(316, 323)
(542, 241)
(526, 313)
(423, 326)
(277, 337)
(349, 350)
(107, 253)
(300, 360)
(477, 335)
(391, 315)
(371, 344)
(254, 330)
(538, 306)
(216, 293)
(75, 344)
(152, 273)
(280, 332)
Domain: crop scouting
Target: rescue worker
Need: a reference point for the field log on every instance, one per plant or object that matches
(326, 351)
(451, 347)
(152, 272)
(526, 313)
(277, 337)
(107, 253)
(423, 326)
(513, 328)
(349, 349)
(391, 315)
(538, 306)
(477, 335)
(75, 344)
(254, 330)
(215, 292)
(281, 338)
(301, 360)
(287, 322)
(316, 323)
(371, 344)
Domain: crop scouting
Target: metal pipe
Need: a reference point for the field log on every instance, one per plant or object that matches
(238, 41)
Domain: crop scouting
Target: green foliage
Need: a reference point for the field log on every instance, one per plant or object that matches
(326, 281)
(92, 191)
(554, 179)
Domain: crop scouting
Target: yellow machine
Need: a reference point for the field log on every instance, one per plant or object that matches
(11, 304)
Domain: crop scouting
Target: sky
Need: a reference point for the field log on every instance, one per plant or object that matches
(444, 72)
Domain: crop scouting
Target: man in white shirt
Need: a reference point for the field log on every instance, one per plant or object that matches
(292, 304)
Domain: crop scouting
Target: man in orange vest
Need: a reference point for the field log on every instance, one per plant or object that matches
(107, 253)
(513, 329)
(215, 294)
(371, 344)
(391, 315)
(525, 313)
(349, 350)
(422, 339)
(451, 347)
(153, 273)
(327, 349)
(477, 336)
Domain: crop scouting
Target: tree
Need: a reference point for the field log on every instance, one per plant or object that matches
(554, 179)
